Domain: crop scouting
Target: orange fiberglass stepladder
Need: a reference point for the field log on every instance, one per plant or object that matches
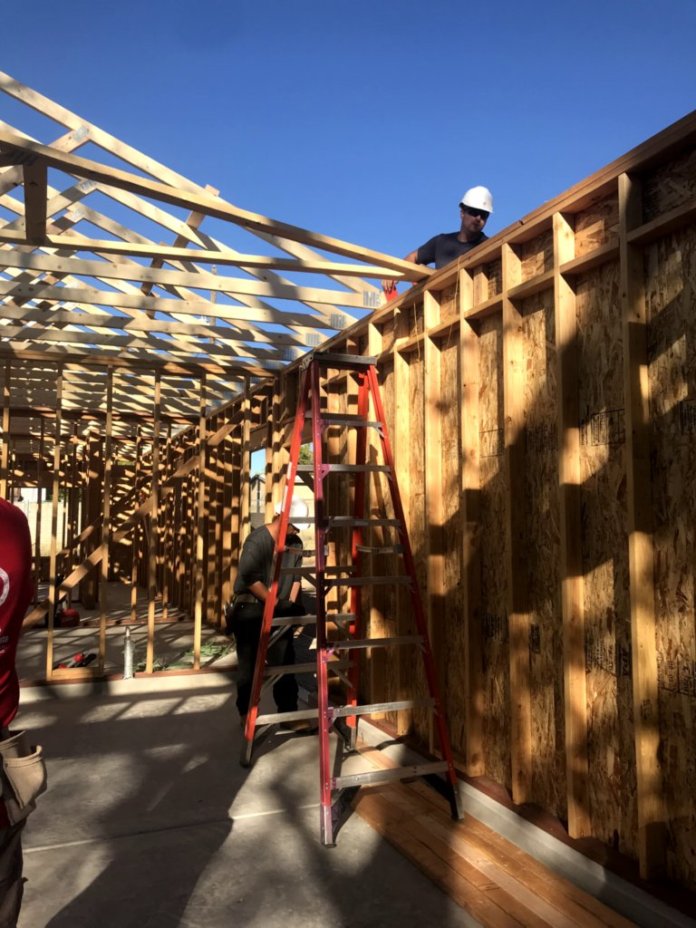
(341, 653)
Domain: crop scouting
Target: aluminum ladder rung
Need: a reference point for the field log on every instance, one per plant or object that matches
(423, 702)
(340, 618)
(348, 468)
(310, 618)
(383, 549)
(358, 643)
(311, 570)
(280, 620)
(366, 581)
(279, 670)
(352, 421)
(369, 777)
(351, 522)
(298, 715)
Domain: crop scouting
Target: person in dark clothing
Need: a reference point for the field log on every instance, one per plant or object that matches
(244, 618)
(474, 209)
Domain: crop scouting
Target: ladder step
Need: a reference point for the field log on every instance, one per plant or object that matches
(299, 715)
(339, 618)
(281, 670)
(352, 421)
(311, 570)
(385, 549)
(280, 620)
(366, 581)
(348, 468)
(422, 702)
(351, 522)
(357, 643)
(347, 361)
(369, 777)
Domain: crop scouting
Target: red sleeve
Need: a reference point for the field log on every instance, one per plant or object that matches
(15, 597)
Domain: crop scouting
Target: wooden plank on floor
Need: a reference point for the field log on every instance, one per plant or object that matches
(463, 892)
(411, 813)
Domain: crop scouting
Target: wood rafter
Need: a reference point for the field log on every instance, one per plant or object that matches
(104, 270)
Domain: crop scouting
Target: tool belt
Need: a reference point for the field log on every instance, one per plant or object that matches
(22, 775)
(243, 599)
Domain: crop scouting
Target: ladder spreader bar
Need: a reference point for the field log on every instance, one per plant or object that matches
(299, 715)
(352, 643)
(280, 670)
(353, 421)
(366, 581)
(423, 702)
(385, 776)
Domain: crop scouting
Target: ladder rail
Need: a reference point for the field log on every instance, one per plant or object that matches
(324, 578)
(325, 772)
(272, 597)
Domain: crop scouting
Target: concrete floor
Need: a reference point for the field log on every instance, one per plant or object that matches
(150, 821)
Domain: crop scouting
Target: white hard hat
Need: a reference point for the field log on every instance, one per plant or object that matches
(478, 198)
(298, 509)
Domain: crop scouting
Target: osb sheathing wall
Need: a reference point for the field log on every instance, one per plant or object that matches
(541, 396)
(541, 400)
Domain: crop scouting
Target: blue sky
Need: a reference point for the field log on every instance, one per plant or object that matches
(367, 120)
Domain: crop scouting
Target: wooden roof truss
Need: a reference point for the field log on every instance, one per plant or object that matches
(110, 259)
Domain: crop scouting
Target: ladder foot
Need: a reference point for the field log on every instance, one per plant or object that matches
(346, 734)
(245, 755)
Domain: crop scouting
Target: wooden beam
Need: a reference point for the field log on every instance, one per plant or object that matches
(652, 814)
(55, 491)
(106, 519)
(132, 271)
(153, 539)
(517, 592)
(469, 366)
(100, 320)
(571, 572)
(199, 551)
(35, 190)
(434, 600)
(181, 253)
(137, 528)
(211, 206)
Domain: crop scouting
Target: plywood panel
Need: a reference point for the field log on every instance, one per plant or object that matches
(496, 672)
(612, 786)
(417, 518)
(671, 272)
(449, 305)
(596, 226)
(455, 642)
(384, 613)
(536, 255)
(669, 185)
(542, 552)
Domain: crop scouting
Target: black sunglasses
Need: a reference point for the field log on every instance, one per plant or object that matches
(470, 211)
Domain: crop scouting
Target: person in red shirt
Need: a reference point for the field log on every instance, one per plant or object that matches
(16, 592)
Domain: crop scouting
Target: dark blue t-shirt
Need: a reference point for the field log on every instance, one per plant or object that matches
(441, 249)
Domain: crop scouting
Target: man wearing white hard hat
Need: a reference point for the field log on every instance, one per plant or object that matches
(474, 209)
(244, 618)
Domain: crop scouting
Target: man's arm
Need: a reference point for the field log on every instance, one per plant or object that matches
(423, 255)
(415, 257)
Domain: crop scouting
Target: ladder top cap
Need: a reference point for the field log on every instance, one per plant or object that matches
(330, 359)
